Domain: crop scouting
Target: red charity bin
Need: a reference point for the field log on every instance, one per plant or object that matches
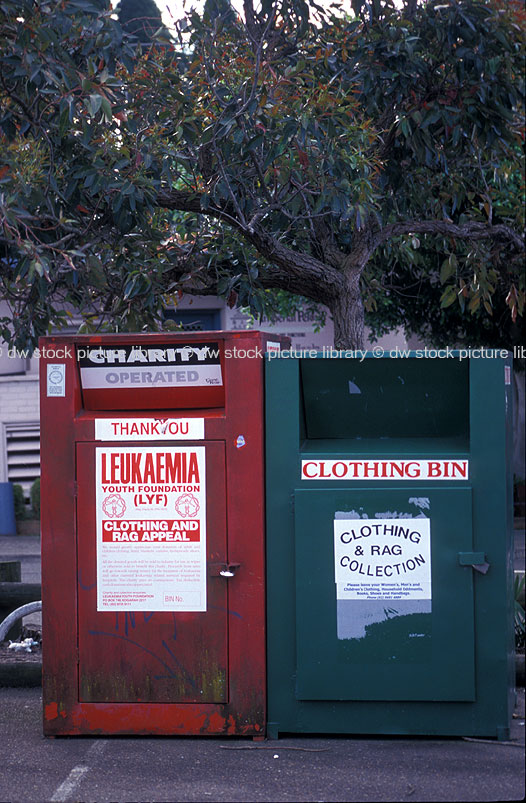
(152, 451)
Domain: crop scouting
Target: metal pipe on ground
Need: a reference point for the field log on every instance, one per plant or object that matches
(19, 613)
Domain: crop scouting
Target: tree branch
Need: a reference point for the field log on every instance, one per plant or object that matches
(466, 231)
(287, 269)
(295, 271)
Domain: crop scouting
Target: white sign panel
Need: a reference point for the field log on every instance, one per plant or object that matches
(372, 469)
(273, 348)
(56, 379)
(130, 366)
(151, 528)
(154, 429)
(382, 559)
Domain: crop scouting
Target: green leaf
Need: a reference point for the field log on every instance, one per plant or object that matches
(137, 284)
(474, 303)
(106, 110)
(448, 297)
(448, 268)
(95, 102)
(254, 143)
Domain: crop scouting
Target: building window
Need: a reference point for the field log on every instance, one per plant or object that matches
(199, 320)
(23, 454)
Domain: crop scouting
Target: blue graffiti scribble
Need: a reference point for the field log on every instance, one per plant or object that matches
(171, 672)
(131, 620)
(226, 610)
(188, 678)
(82, 585)
(146, 617)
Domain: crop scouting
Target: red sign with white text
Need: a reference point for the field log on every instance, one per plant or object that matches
(372, 469)
(159, 531)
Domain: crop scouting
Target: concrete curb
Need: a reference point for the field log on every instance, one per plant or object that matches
(18, 675)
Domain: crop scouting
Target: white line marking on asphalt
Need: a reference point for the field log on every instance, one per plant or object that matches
(67, 787)
(97, 747)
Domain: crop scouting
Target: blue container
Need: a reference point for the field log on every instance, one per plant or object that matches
(7, 509)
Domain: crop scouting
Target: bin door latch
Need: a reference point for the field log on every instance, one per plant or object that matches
(227, 570)
(477, 561)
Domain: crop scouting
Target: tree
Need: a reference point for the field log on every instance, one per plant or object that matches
(425, 289)
(284, 152)
(140, 18)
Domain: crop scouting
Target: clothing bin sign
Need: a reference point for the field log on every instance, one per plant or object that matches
(382, 559)
(151, 528)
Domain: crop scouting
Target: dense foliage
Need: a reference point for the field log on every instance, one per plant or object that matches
(301, 150)
(141, 18)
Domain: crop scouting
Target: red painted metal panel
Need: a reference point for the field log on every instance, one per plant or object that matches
(229, 635)
(133, 399)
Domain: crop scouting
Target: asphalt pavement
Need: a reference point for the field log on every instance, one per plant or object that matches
(26, 549)
(214, 769)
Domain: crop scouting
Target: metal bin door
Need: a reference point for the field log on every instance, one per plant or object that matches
(388, 648)
(152, 656)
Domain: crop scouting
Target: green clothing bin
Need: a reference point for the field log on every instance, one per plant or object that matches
(389, 545)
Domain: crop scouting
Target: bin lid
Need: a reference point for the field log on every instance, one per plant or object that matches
(140, 374)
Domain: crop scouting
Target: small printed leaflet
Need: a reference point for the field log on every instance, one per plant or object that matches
(56, 379)
(151, 528)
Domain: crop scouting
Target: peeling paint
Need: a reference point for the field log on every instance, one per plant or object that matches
(51, 711)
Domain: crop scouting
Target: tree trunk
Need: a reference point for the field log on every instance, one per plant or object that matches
(347, 314)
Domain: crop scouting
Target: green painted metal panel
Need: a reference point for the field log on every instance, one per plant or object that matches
(472, 558)
(398, 398)
(393, 646)
(372, 447)
(302, 623)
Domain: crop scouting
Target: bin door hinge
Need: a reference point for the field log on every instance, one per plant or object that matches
(477, 561)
